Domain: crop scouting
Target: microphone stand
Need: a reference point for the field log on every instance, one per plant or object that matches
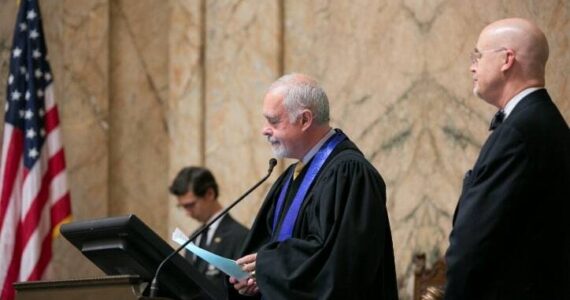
(154, 283)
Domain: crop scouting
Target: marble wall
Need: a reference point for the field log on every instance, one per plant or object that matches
(146, 87)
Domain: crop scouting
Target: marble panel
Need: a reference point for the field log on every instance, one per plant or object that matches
(77, 35)
(185, 117)
(242, 47)
(80, 59)
(138, 140)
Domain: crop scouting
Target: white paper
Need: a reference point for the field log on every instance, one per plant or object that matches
(226, 265)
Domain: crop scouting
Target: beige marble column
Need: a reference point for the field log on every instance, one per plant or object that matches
(138, 140)
(77, 36)
(186, 120)
(242, 59)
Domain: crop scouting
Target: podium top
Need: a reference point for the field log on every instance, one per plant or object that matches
(127, 246)
(78, 282)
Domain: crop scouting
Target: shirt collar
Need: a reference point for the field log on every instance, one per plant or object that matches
(316, 148)
(517, 98)
(213, 227)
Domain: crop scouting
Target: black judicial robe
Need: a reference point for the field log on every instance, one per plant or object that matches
(341, 246)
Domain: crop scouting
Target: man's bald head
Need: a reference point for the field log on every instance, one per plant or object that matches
(525, 39)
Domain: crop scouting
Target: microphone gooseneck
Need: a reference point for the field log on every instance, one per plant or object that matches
(154, 283)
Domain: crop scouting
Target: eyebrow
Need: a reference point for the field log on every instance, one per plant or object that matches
(272, 118)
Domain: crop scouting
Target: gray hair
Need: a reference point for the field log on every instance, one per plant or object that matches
(302, 92)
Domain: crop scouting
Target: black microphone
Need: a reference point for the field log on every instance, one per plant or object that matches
(154, 284)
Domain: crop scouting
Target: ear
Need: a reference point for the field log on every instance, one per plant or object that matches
(509, 60)
(306, 119)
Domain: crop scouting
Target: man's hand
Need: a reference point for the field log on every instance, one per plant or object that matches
(247, 286)
(247, 263)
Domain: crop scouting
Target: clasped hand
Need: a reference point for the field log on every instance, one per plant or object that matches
(246, 286)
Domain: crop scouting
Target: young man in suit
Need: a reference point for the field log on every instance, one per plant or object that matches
(196, 191)
(510, 237)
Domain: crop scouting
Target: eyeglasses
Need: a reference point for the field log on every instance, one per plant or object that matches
(476, 55)
(188, 205)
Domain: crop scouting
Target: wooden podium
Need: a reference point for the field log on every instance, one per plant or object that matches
(110, 287)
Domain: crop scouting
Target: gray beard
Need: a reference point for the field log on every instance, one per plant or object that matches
(279, 152)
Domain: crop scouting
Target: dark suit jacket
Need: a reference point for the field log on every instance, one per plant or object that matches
(226, 242)
(510, 237)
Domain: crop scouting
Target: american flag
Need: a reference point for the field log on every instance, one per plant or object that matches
(34, 197)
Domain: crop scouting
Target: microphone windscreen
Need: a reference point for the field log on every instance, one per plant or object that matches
(272, 164)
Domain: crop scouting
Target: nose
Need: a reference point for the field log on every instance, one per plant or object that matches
(473, 67)
(266, 131)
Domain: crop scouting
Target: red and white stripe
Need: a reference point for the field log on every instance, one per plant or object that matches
(33, 203)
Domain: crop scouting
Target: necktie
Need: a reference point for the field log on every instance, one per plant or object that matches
(202, 265)
(298, 168)
(497, 120)
(204, 238)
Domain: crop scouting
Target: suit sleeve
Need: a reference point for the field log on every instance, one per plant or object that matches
(485, 216)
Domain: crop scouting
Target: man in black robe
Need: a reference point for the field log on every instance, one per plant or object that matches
(323, 230)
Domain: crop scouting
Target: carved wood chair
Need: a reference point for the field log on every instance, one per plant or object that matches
(428, 283)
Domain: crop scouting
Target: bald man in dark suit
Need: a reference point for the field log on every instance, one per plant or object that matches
(510, 237)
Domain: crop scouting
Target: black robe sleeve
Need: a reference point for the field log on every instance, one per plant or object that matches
(341, 246)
